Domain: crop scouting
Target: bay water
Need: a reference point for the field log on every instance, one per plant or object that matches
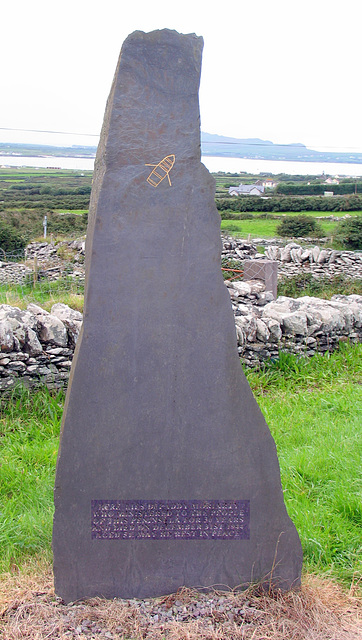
(213, 163)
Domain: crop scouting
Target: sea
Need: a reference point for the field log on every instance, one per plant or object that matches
(213, 163)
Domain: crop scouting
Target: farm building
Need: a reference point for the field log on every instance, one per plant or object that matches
(246, 190)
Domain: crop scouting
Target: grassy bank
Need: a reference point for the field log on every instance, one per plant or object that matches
(313, 408)
(266, 228)
(45, 293)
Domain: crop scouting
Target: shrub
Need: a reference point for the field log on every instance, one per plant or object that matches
(231, 215)
(70, 224)
(299, 227)
(349, 233)
(290, 188)
(10, 238)
(285, 203)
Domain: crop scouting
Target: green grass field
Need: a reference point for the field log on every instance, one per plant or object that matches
(264, 228)
(77, 211)
(313, 408)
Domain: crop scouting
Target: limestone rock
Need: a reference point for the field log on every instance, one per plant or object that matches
(35, 310)
(274, 328)
(32, 344)
(52, 330)
(262, 331)
(242, 288)
(285, 254)
(295, 323)
(6, 336)
(322, 258)
(71, 318)
(305, 255)
(247, 325)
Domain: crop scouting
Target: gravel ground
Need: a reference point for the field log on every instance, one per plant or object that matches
(320, 611)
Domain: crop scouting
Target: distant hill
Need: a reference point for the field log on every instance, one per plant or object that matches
(215, 145)
(42, 150)
(211, 145)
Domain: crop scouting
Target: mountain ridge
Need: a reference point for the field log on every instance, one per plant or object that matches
(212, 144)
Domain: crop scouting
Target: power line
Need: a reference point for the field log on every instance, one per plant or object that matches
(239, 143)
(68, 133)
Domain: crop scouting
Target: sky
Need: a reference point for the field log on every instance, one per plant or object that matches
(287, 71)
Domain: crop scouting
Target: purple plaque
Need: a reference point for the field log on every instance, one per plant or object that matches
(170, 519)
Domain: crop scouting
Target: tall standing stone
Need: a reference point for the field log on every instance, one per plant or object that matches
(167, 473)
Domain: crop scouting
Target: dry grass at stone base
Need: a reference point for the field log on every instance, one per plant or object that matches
(320, 611)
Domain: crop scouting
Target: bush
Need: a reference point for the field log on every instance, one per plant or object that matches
(10, 239)
(276, 204)
(290, 188)
(230, 215)
(299, 227)
(349, 233)
(70, 224)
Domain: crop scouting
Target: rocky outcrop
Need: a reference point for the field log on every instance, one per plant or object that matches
(38, 346)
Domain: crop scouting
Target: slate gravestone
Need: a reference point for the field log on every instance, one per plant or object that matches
(167, 473)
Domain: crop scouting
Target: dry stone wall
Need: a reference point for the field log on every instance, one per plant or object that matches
(38, 346)
(52, 261)
(303, 326)
(294, 258)
(45, 260)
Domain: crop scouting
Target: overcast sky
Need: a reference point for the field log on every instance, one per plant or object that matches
(281, 70)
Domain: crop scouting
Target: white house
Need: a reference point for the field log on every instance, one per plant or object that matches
(246, 190)
(332, 180)
(268, 183)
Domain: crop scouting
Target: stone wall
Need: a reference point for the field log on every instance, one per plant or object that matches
(45, 260)
(294, 258)
(52, 261)
(37, 346)
(305, 325)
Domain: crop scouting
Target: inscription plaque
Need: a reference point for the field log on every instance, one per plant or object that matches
(170, 519)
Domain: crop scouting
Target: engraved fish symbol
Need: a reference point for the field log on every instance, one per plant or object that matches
(161, 170)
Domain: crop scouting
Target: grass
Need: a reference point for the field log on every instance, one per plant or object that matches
(314, 410)
(77, 211)
(323, 214)
(305, 284)
(29, 431)
(45, 294)
(313, 407)
(264, 228)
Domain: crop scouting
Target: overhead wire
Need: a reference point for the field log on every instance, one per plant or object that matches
(241, 142)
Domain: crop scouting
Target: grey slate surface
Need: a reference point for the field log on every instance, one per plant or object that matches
(158, 410)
